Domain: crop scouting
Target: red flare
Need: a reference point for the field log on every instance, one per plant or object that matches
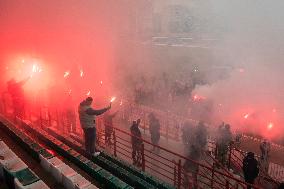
(198, 98)
(66, 74)
(270, 126)
(246, 116)
(112, 99)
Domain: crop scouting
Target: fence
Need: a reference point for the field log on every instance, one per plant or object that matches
(165, 165)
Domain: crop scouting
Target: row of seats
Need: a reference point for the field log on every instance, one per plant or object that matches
(16, 173)
(120, 168)
(104, 177)
(61, 172)
(65, 174)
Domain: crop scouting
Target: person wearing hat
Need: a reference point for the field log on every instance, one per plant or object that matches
(250, 168)
(87, 117)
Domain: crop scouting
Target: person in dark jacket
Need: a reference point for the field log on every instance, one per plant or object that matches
(87, 117)
(250, 168)
(108, 123)
(154, 128)
(201, 136)
(281, 186)
(192, 167)
(136, 143)
(15, 89)
(223, 143)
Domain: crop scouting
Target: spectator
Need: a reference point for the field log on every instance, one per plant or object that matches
(223, 143)
(154, 128)
(192, 167)
(88, 123)
(108, 122)
(264, 158)
(281, 186)
(136, 143)
(15, 89)
(201, 136)
(250, 168)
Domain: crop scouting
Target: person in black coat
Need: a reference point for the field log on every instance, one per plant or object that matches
(136, 143)
(250, 168)
(281, 186)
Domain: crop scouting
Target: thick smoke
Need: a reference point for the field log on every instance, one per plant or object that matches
(235, 46)
(252, 46)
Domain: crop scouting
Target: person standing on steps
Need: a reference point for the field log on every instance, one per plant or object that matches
(250, 168)
(154, 128)
(264, 158)
(108, 123)
(136, 143)
(87, 117)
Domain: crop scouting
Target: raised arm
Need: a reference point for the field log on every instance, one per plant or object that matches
(92, 111)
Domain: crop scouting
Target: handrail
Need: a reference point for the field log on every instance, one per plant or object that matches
(144, 109)
(185, 158)
(227, 176)
(263, 174)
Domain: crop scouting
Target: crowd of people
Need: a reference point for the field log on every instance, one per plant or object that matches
(194, 137)
(163, 89)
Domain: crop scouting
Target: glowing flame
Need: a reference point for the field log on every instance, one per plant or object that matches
(23, 60)
(246, 116)
(198, 98)
(101, 82)
(66, 74)
(34, 68)
(88, 93)
(81, 73)
(112, 99)
(120, 103)
(270, 125)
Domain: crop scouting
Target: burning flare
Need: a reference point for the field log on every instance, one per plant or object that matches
(112, 99)
(66, 74)
(246, 116)
(270, 125)
(88, 93)
(81, 73)
(198, 98)
(35, 69)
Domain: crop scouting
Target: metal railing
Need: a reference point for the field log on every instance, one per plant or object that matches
(171, 129)
(164, 164)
